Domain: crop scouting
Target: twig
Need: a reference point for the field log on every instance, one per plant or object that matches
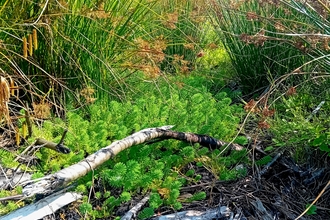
(56, 147)
(317, 198)
(28, 121)
(265, 169)
(203, 140)
(63, 136)
(132, 212)
(261, 210)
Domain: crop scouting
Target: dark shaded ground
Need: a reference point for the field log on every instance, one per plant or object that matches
(284, 190)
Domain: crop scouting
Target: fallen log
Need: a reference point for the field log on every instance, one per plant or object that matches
(63, 177)
(222, 212)
(43, 207)
(53, 182)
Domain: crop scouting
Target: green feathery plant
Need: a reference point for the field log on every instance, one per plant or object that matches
(155, 167)
(146, 213)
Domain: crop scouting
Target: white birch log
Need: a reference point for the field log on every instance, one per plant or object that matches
(222, 212)
(133, 211)
(63, 177)
(43, 207)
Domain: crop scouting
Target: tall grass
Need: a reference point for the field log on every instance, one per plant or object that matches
(79, 45)
(89, 43)
(316, 30)
(96, 46)
(250, 33)
(183, 25)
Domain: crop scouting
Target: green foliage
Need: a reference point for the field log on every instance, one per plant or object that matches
(214, 58)
(182, 25)
(98, 195)
(312, 210)
(315, 21)
(108, 42)
(111, 44)
(177, 205)
(323, 142)
(111, 202)
(242, 140)
(37, 175)
(264, 160)
(198, 177)
(116, 176)
(190, 173)
(170, 191)
(81, 188)
(149, 167)
(7, 159)
(295, 127)
(155, 201)
(6, 207)
(85, 208)
(125, 197)
(146, 213)
(197, 196)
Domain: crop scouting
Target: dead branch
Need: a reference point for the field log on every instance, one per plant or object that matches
(132, 212)
(62, 178)
(43, 207)
(203, 140)
(216, 213)
(56, 147)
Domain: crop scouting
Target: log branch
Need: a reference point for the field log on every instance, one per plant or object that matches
(53, 146)
(133, 211)
(63, 177)
(193, 138)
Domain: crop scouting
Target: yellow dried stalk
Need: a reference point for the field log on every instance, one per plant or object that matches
(4, 99)
(12, 86)
(17, 137)
(35, 39)
(30, 45)
(25, 47)
(24, 129)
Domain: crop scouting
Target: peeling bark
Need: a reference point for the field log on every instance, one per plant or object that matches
(63, 177)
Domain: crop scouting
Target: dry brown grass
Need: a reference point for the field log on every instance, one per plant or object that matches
(4, 99)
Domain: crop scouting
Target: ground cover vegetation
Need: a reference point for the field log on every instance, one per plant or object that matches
(246, 71)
